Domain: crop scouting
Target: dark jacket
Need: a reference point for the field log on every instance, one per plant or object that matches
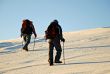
(53, 30)
(27, 28)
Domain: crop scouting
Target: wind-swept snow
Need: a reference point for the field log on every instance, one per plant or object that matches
(86, 52)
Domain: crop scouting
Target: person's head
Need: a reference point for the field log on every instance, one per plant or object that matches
(55, 21)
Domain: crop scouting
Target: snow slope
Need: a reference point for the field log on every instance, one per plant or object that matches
(86, 52)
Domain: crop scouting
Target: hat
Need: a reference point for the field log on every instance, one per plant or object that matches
(55, 21)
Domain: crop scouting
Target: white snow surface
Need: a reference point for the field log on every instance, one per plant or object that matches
(86, 52)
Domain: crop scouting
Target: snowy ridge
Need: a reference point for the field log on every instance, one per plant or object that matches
(86, 52)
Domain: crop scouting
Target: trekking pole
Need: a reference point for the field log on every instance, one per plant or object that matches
(63, 54)
(34, 44)
(22, 42)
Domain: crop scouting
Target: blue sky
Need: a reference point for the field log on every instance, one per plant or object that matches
(72, 15)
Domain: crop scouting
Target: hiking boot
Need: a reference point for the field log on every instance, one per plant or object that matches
(26, 49)
(51, 64)
(58, 61)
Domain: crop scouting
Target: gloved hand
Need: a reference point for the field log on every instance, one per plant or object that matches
(35, 35)
(63, 39)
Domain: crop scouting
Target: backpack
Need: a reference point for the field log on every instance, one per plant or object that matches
(52, 31)
(46, 35)
(26, 28)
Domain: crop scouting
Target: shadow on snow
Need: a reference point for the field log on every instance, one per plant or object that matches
(55, 65)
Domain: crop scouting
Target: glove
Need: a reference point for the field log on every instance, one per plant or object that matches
(63, 39)
(35, 35)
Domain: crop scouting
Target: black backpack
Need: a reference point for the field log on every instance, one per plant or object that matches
(27, 30)
(49, 31)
